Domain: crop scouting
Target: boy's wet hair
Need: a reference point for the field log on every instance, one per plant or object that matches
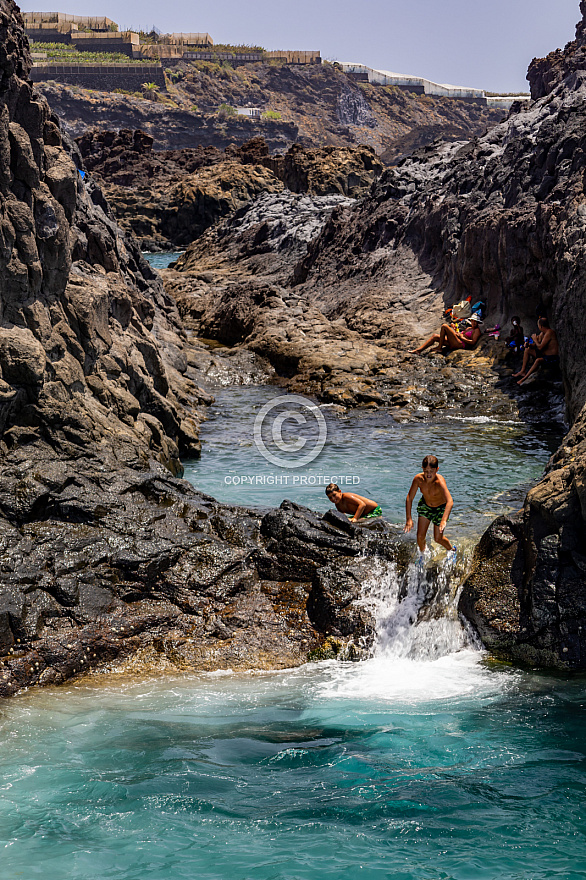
(332, 487)
(543, 322)
(430, 461)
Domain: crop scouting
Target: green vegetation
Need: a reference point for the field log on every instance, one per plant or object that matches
(225, 110)
(329, 650)
(61, 53)
(127, 92)
(235, 50)
(271, 114)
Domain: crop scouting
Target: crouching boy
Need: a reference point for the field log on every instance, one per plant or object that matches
(355, 506)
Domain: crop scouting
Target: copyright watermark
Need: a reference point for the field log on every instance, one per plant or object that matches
(291, 480)
(290, 431)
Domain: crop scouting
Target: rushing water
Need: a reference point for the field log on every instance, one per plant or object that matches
(423, 763)
(388, 768)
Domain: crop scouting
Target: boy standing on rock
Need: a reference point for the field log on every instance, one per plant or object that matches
(434, 507)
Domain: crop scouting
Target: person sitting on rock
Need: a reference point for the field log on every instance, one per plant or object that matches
(543, 349)
(516, 338)
(355, 506)
(453, 338)
(434, 506)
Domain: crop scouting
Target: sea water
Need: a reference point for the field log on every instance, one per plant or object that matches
(488, 464)
(411, 769)
(163, 259)
(426, 762)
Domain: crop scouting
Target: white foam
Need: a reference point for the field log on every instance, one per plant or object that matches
(423, 652)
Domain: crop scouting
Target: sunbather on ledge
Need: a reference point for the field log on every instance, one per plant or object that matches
(452, 338)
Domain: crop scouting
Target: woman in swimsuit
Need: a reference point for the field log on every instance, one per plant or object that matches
(450, 337)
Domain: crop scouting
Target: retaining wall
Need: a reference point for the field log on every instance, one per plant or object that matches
(102, 77)
(417, 84)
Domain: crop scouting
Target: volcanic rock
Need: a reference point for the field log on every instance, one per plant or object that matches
(143, 189)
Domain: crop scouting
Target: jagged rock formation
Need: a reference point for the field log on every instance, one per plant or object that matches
(545, 74)
(501, 218)
(103, 552)
(234, 284)
(169, 198)
(319, 104)
(89, 343)
(132, 567)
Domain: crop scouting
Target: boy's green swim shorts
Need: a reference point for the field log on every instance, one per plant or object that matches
(375, 513)
(434, 514)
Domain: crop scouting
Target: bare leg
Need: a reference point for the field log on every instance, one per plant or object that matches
(441, 539)
(448, 336)
(422, 527)
(538, 362)
(430, 341)
(523, 371)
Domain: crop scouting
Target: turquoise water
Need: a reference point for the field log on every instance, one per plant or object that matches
(488, 465)
(423, 763)
(447, 770)
(161, 261)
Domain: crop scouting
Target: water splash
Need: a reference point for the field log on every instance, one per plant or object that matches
(424, 653)
(416, 612)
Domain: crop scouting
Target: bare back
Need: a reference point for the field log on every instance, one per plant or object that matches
(349, 503)
(549, 343)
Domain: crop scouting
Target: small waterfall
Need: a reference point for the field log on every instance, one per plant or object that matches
(417, 611)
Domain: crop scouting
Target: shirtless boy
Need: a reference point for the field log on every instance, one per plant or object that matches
(434, 507)
(357, 507)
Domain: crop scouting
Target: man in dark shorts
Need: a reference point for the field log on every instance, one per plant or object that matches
(434, 507)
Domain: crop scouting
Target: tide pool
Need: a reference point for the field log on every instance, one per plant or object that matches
(489, 465)
(390, 768)
(426, 762)
(162, 260)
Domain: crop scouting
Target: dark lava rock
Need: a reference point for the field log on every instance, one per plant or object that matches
(170, 198)
(500, 219)
(117, 565)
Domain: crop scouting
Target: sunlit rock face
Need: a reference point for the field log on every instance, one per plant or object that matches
(501, 219)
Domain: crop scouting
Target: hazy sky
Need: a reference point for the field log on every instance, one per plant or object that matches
(486, 44)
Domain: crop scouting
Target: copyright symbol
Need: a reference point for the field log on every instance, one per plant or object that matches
(295, 410)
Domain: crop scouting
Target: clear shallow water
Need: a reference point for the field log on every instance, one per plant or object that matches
(424, 763)
(389, 768)
(488, 465)
(161, 261)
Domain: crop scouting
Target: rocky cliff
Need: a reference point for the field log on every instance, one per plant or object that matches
(502, 219)
(106, 555)
(169, 198)
(318, 105)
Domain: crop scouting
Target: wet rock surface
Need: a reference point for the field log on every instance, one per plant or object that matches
(108, 557)
(499, 219)
(117, 565)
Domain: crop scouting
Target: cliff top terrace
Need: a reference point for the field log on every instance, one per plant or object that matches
(95, 23)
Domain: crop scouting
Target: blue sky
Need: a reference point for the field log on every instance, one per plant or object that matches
(485, 44)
